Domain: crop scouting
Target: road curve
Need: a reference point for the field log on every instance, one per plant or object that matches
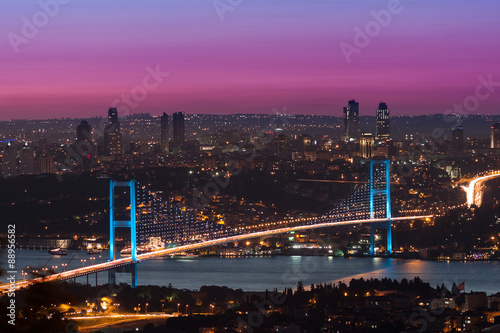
(475, 191)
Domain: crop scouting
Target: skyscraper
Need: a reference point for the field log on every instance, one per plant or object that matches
(84, 145)
(43, 146)
(366, 143)
(383, 123)
(10, 161)
(45, 164)
(179, 128)
(457, 138)
(495, 136)
(113, 116)
(27, 161)
(112, 135)
(351, 120)
(84, 131)
(164, 133)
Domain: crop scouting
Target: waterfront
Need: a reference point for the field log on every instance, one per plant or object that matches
(260, 273)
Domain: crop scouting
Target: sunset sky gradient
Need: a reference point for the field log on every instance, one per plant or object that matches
(265, 54)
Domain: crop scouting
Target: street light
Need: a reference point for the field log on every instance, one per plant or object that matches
(212, 308)
(147, 307)
(178, 304)
(187, 309)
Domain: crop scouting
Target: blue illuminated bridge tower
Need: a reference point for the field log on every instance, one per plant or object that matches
(130, 223)
(158, 219)
(380, 200)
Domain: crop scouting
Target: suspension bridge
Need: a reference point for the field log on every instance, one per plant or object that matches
(369, 204)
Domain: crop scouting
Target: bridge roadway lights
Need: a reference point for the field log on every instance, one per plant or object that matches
(123, 224)
(386, 192)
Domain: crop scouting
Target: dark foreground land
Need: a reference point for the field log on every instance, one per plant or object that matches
(360, 306)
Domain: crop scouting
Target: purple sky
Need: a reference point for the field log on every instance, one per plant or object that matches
(265, 54)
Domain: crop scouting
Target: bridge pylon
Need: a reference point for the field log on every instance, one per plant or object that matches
(380, 188)
(123, 224)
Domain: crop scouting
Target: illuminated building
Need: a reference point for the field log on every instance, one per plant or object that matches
(383, 123)
(495, 136)
(366, 144)
(164, 135)
(84, 146)
(457, 139)
(112, 135)
(351, 121)
(179, 128)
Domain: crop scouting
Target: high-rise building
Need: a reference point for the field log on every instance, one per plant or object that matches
(351, 120)
(383, 123)
(27, 161)
(9, 161)
(84, 131)
(495, 136)
(305, 142)
(84, 146)
(457, 139)
(45, 164)
(113, 116)
(43, 146)
(280, 144)
(112, 135)
(179, 128)
(366, 143)
(164, 133)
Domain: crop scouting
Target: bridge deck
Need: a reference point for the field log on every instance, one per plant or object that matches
(189, 247)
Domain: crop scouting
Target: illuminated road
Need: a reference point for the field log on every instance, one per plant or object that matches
(116, 319)
(475, 188)
(190, 247)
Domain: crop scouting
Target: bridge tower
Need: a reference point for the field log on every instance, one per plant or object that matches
(123, 224)
(380, 198)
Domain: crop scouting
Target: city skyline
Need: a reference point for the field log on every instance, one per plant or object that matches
(259, 57)
(250, 166)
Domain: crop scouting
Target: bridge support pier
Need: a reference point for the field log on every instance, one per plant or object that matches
(377, 226)
(112, 276)
(134, 274)
(125, 269)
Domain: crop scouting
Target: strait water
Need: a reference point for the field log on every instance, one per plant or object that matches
(260, 273)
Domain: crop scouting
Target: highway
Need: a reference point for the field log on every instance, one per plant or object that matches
(190, 247)
(474, 190)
